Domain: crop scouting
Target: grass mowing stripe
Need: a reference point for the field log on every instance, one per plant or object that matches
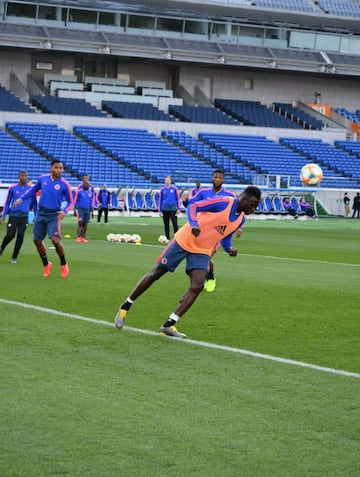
(271, 257)
(189, 341)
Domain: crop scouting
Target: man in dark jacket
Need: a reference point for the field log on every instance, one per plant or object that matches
(104, 199)
(356, 206)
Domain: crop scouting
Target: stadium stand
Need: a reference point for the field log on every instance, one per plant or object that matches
(56, 86)
(340, 8)
(146, 153)
(235, 171)
(135, 111)
(253, 113)
(99, 80)
(303, 119)
(198, 114)
(66, 106)
(77, 156)
(351, 147)
(49, 77)
(292, 5)
(259, 153)
(355, 117)
(15, 156)
(270, 158)
(332, 160)
(10, 102)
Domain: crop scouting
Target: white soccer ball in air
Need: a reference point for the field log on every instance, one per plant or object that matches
(311, 174)
(163, 239)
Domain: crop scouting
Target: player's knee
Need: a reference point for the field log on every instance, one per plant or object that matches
(55, 241)
(197, 287)
(156, 273)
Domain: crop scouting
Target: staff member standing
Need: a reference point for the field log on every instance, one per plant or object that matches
(18, 216)
(346, 200)
(84, 203)
(169, 206)
(103, 198)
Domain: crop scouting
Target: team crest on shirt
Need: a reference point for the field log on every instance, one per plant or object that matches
(57, 187)
(164, 260)
(221, 229)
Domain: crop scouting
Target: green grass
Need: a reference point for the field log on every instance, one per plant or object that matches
(82, 399)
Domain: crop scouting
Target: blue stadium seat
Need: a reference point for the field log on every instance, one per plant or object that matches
(10, 102)
(253, 113)
(66, 106)
(125, 109)
(77, 156)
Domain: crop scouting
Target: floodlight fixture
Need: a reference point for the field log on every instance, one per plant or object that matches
(47, 45)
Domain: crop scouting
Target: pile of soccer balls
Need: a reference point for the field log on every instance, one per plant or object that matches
(311, 174)
(127, 238)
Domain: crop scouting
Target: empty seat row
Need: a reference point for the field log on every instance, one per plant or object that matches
(10, 102)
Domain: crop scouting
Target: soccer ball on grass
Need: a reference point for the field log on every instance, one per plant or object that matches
(163, 239)
(135, 238)
(311, 174)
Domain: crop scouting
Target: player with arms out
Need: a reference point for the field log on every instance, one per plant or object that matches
(218, 178)
(209, 221)
(55, 201)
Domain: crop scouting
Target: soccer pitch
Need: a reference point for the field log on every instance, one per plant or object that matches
(266, 385)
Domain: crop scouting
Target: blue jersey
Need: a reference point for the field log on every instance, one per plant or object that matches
(194, 191)
(55, 195)
(15, 192)
(208, 193)
(85, 199)
(169, 198)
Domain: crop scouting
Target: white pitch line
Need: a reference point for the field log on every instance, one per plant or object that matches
(204, 344)
(292, 259)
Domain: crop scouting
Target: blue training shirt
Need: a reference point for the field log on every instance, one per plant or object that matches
(15, 192)
(85, 199)
(55, 195)
(169, 198)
